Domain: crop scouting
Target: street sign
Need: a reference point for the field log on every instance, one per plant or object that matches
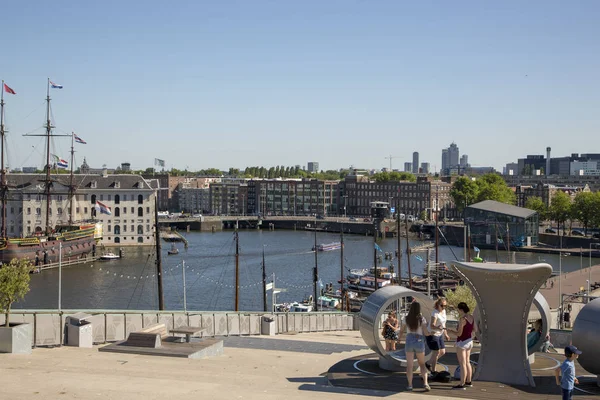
(393, 209)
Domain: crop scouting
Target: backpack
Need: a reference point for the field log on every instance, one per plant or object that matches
(443, 377)
(457, 373)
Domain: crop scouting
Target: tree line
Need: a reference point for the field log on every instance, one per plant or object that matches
(466, 191)
(585, 208)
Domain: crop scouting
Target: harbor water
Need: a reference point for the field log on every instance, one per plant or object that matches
(130, 282)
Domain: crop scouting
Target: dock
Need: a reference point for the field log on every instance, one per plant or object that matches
(68, 263)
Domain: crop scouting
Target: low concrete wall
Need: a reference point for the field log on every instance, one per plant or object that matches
(114, 325)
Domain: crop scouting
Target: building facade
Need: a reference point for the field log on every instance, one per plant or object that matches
(491, 221)
(415, 163)
(407, 167)
(410, 198)
(302, 197)
(425, 168)
(130, 198)
(312, 166)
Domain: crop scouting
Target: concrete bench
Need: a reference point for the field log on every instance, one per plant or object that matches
(189, 331)
(150, 336)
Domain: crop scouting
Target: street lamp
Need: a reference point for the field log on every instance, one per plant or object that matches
(345, 198)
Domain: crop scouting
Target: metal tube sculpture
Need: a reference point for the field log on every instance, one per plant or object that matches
(505, 294)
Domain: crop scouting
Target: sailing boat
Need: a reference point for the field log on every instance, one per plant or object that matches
(43, 245)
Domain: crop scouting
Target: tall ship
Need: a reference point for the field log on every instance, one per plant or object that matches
(45, 242)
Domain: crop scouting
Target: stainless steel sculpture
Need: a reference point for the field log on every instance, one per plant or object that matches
(586, 336)
(504, 294)
(370, 316)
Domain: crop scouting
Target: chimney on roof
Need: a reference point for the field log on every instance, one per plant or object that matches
(547, 171)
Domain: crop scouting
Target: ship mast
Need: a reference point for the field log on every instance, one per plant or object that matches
(3, 185)
(48, 181)
(71, 186)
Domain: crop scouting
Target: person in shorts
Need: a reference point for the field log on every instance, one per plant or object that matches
(437, 330)
(565, 374)
(464, 345)
(415, 326)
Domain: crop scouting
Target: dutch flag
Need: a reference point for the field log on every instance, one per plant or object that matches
(55, 86)
(78, 139)
(102, 208)
(60, 163)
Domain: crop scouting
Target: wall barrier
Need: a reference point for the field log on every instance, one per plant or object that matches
(114, 325)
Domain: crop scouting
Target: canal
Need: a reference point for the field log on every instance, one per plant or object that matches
(130, 283)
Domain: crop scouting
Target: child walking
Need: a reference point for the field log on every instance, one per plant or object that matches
(567, 369)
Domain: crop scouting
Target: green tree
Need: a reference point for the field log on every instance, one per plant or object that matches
(584, 208)
(14, 284)
(493, 187)
(393, 176)
(560, 208)
(536, 203)
(461, 294)
(463, 192)
(423, 215)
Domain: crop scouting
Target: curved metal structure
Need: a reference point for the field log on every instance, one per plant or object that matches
(504, 355)
(586, 335)
(370, 316)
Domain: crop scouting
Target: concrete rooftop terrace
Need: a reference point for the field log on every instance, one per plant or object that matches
(255, 367)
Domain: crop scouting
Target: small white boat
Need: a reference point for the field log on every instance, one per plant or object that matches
(174, 250)
(109, 256)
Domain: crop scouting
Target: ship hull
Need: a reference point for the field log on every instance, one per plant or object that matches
(46, 252)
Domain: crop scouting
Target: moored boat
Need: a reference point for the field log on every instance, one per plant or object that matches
(328, 246)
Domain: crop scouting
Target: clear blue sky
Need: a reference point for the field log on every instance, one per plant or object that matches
(237, 83)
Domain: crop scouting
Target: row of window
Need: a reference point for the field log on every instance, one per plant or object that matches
(140, 229)
(140, 198)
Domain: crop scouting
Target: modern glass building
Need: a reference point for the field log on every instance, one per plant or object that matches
(490, 220)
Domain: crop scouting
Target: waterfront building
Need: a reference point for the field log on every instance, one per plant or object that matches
(426, 194)
(407, 167)
(130, 198)
(490, 219)
(293, 197)
(415, 163)
(192, 199)
(312, 166)
(228, 198)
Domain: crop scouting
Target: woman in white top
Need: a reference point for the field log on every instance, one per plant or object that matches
(415, 326)
(437, 327)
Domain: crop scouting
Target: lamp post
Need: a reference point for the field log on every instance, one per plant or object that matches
(345, 198)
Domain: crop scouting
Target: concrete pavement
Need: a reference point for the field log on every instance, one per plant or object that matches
(291, 367)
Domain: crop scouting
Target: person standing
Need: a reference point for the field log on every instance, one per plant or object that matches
(415, 326)
(464, 345)
(390, 331)
(568, 380)
(437, 328)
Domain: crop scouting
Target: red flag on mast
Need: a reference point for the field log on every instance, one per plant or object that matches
(8, 90)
